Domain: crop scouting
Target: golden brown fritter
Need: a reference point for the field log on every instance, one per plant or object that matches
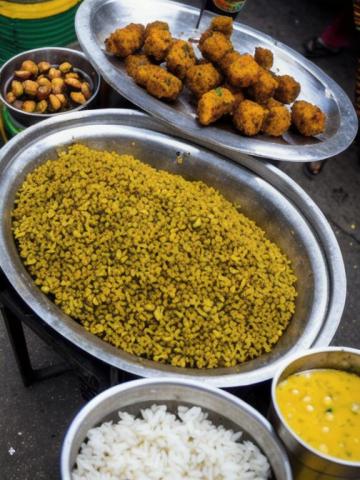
(248, 117)
(228, 59)
(287, 90)
(238, 93)
(264, 87)
(157, 25)
(222, 24)
(202, 78)
(157, 44)
(125, 41)
(158, 82)
(216, 47)
(206, 34)
(144, 72)
(132, 62)
(214, 104)
(180, 58)
(243, 72)
(277, 121)
(271, 102)
(264, 57)
(308, 118)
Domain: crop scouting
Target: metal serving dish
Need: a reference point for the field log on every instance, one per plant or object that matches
(96, 19)
(223, 409)
(265, 194)
(308, 463)
(55, 56)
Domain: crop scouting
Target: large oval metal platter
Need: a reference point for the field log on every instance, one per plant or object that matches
(96, 19)
(265, 194)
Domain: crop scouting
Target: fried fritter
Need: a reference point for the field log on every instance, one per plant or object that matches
(264, 87)
(202, 78)
(243, 72)
(264, 57)
(158, 82)
(238, 93)
(216, 47)
(277, 121)
(248, 117)
(220, 24)
(288, 89)
(271, 102)
(214, 104)
(157, 44)
(180, 58)
(308, 118)
(228, 59)
(132, 62)
(157, 25)
(125, 41)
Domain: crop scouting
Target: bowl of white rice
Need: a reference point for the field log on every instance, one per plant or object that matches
(165, 429)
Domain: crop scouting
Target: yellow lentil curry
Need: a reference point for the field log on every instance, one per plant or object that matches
(323, 408)
(161, 267)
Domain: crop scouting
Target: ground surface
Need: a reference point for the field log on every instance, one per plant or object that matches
(33, 420)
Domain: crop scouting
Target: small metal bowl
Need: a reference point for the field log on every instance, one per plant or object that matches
(222, 408)
(55, 56)
(308, 463)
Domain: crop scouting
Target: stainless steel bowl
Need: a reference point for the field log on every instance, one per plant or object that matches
(55, 56)
(308, 463)
(223, 409)
(265, 194)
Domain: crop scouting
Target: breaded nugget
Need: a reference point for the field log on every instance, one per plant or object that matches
(157, 44)
(216, 47)
(222, 24)
(228, 59)
(238, 93)
(277, 121)
(157, 25)
(264, 87)
(248, 117)
(180, 58)
(158, 82)
(288, 89)
(132, 62)
(125, 41)
(243, 72)
(202, 78)
(144, 72)
(214, 104)
(271, 102)
(264, 57)
(308, 118)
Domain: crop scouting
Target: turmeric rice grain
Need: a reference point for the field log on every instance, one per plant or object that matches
(161, 267)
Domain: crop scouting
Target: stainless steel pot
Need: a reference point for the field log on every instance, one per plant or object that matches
(223, 409)
(265, 194)
(308, 463)
(55, 56)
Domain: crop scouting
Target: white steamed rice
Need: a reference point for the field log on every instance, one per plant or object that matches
(163, 446)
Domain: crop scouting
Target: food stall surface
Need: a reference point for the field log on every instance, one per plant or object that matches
(34, 419)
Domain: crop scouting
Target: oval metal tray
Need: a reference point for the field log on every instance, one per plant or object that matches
(265, 194)
(96, 19)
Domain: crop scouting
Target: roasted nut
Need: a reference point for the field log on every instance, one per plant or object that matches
(17, 88)
(72, 75)
(10, 97)
(77, 97)
(30, 66)
(62, 99)
(55, 103)
(65, 67)
(85, 90)
(42, 106)
(54, 73)
(22, 74)
(43, 92)
(29, 106)
(73, 83)
(30, 87)
(44, 81)
(44, 67)
(57, 85)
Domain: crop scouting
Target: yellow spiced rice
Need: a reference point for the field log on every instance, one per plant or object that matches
(161, 267)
